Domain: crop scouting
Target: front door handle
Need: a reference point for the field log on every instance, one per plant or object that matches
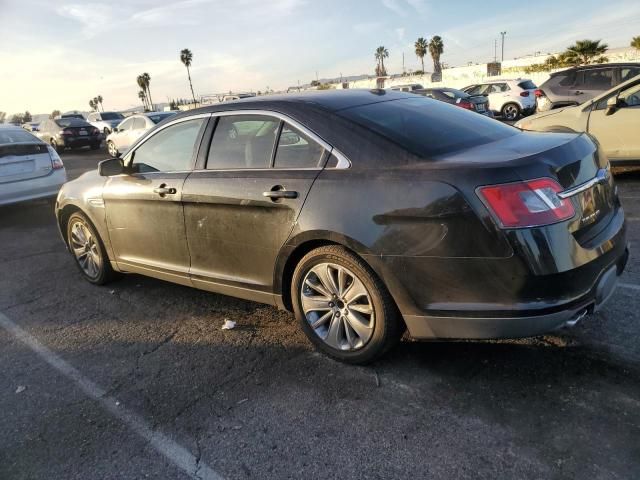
(578, 92)
(163, 190)
(277, 194)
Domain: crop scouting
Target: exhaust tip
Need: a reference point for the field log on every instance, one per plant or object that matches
(577, 317)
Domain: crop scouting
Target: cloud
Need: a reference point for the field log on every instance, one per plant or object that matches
(395, 6)
(94, 17)
(400, 31)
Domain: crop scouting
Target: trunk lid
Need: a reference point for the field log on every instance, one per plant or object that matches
(23, 161)
(574, 161)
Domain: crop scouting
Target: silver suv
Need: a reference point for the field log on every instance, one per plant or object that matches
(577, 85)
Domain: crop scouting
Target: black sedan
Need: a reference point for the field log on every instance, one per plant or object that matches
(476, 103)
(364, 212)
(64, 133)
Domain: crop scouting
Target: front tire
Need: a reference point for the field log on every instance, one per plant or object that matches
(88, 250)
(510, 111)
(343, 307)
(112, 149)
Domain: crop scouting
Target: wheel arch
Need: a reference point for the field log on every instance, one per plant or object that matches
(297, 247)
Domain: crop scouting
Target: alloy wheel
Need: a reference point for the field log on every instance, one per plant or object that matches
(337, 306)
(510, 112)
(85, 249)
(113, 151)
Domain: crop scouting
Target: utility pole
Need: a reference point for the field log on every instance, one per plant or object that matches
(495, 51)
(503, 34)
(403, 70)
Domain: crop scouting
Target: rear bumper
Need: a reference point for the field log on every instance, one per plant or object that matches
(71, 142)
(32, 189)
(524, 324)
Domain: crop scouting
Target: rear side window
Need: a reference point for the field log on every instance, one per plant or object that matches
(527, 85)
(297, 150)
(427, 127)
(243, 141)
(600, 79)
(567, 79)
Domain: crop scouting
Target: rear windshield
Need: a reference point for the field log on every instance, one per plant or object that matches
(111, 116)
(428, 127)
(455, 93)
(527, 85)
(17, 135)
(157, 118)
(71, 122)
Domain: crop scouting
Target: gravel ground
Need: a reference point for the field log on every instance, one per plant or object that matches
(258, 402)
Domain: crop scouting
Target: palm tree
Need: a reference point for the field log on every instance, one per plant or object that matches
(585, 52)
(380, 55)
(635, 43)
(436, 47)
(142, 96)
(421, 50)
(186, 58)
(92, 105)
(100, 101)
(147, 83)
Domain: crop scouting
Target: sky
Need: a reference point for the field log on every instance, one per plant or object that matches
(57, 54)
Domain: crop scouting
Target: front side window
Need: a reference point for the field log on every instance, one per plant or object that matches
(600, 79)
(627, 73)
(297, 150)
(126, 125)
(243, 141)
(169, 150)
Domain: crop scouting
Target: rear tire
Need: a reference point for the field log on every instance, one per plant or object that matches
(58, 148)
(343, 308)
(88, 250)
(510, 111)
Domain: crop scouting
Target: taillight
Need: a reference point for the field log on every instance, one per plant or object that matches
(525, 93)
(465, 104)
(527, 204)
(66, 131)
(539, 93)
(56, 161)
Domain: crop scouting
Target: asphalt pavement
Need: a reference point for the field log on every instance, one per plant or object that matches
(137, 380)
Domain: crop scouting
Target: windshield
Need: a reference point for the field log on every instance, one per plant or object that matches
(158, 117)
(427, 127)
(111, 116)
(71, 122)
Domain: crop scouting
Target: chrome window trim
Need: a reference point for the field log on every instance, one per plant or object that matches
(343, 162)
(601, 177)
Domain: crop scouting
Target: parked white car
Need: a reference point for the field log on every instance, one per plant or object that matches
(128, 131)
(508, 98)
(29, 168)
(105, 121)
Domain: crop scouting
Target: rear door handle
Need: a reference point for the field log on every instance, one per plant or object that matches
(163, 190)
(276, 194)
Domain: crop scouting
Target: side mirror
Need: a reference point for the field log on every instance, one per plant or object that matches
(612, 105)
(111, 167)
(289, 138)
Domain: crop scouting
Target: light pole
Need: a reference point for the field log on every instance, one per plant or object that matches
(503, 34)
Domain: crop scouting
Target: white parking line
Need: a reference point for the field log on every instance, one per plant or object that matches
(629, 285)
(176, 454)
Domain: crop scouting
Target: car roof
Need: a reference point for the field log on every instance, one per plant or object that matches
(597, 65)
(329, 100)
